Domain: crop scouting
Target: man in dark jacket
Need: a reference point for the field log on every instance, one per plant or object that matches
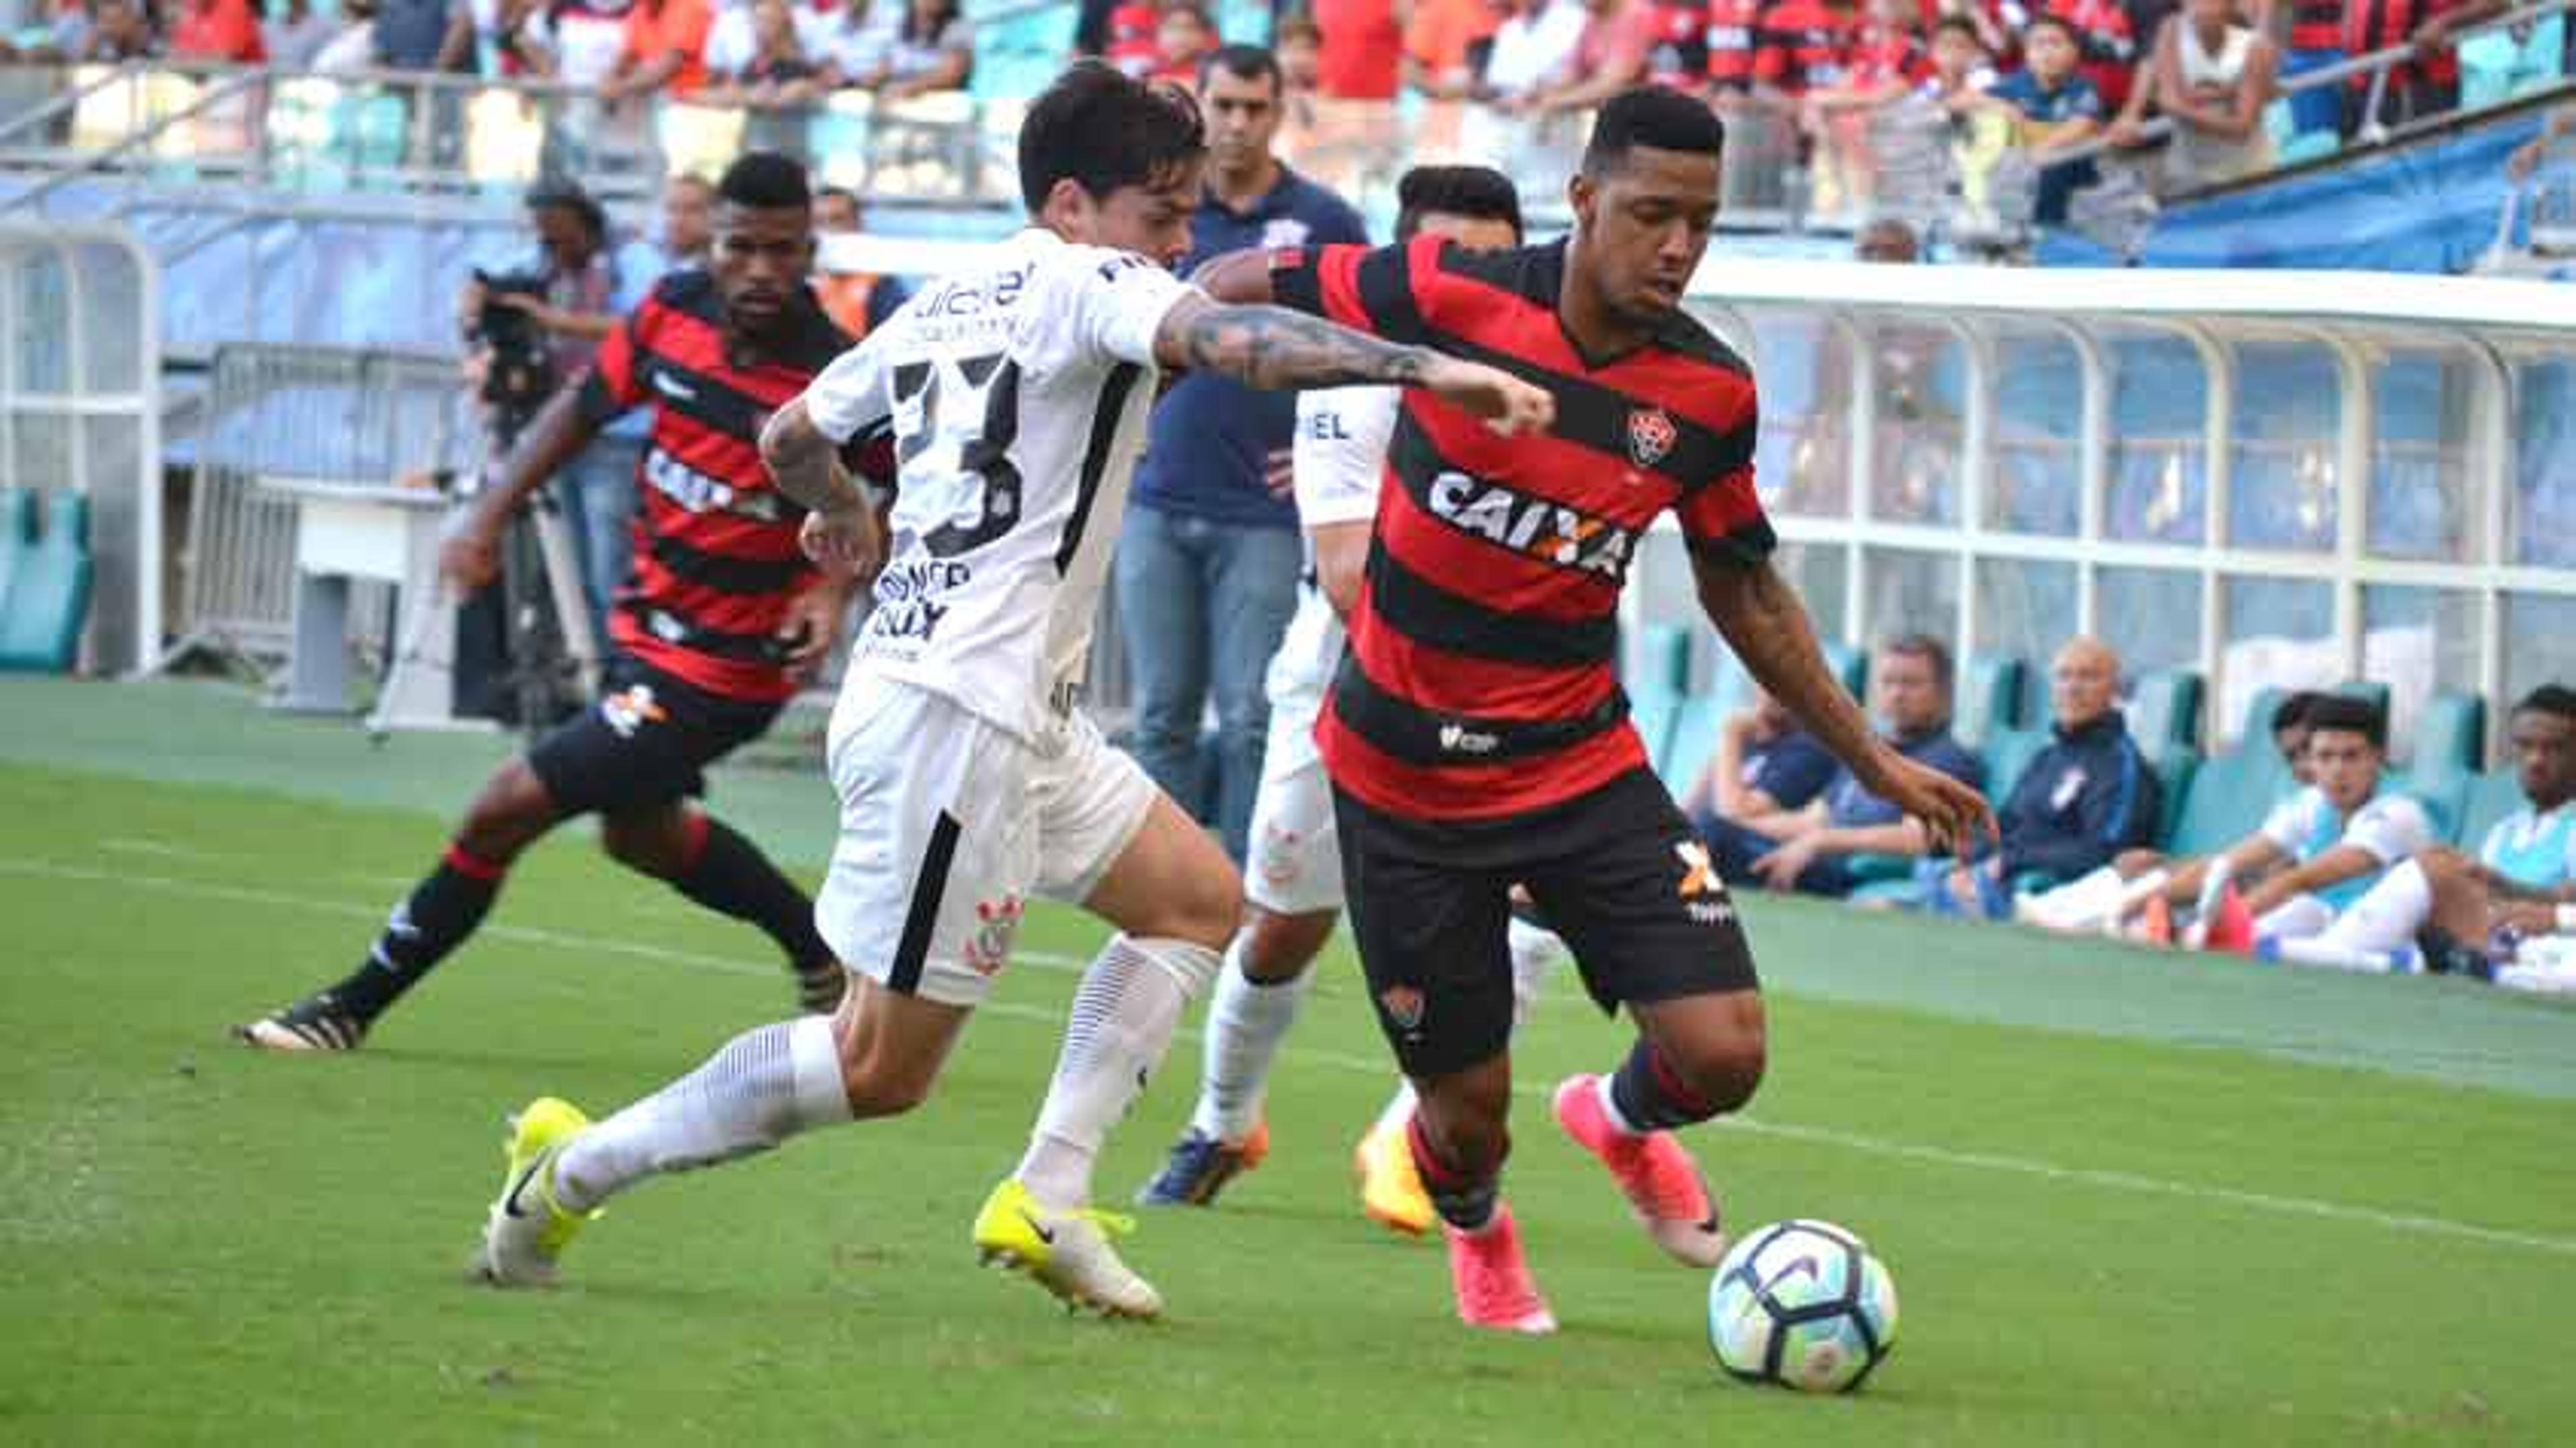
(2086, 797)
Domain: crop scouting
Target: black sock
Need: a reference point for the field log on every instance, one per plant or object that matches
(437, 916)
(1651, 1096)
(732, 877)
(1464, 1202)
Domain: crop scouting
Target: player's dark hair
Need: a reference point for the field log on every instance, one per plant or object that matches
(1927, 648)
(2555, 699)
(2347, 715)
(2294, 711)
(1102, 130)
(1963, 25)
(1244, 62)
(766, 181)
(2041, 22)
(1477, 191)
(1654, 116)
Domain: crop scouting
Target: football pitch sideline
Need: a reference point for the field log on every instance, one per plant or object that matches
(2126, 1198)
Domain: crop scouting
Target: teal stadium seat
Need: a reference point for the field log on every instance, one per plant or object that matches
(2164, 712)
(1851, 665)
(2451, 738)
(48, 597)
(2230, 793)
(2008, 754)
(1696, 723)
(2488, 799)
(1655, 692)
(17, 532)
(1989, 698)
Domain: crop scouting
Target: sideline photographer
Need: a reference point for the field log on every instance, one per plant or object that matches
(538, 323)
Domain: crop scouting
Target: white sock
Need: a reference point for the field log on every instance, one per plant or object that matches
(2389, 916)
(761, 1088)
(1246, 1023)
(1123, 1015)
(1399, 1107)
(1533, 951)
(1610, 1111)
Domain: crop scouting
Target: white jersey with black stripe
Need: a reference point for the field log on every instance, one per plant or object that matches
(1016, 393)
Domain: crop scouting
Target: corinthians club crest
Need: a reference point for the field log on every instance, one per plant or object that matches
(1651, 435)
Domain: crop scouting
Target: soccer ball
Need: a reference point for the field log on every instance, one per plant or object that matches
(1803, 1305)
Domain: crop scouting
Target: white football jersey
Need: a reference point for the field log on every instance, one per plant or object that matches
(1339, 458)
(1016, 393)
(2389, 827)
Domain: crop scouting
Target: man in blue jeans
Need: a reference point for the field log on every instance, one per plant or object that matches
(1207, 565)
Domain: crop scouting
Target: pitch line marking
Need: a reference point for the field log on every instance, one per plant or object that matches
(2118, 1181)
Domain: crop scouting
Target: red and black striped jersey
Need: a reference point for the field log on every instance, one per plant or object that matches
(1732, 42)
(1481, 677)
(716, 557)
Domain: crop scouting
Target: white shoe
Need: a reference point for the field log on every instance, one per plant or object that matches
(527, 1229)
(1067, 1253)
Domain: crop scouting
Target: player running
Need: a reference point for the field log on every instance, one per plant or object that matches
(721, 620)
(1476, 734)
(1016, 392)
(1293, 879)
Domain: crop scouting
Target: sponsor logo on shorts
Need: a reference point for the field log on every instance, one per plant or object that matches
(1403, 1005)
(1703, 893)
(631, 710)
(1651, 435)
(997, 925)
(1279, 864)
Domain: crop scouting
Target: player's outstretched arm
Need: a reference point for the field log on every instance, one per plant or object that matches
(1275, 349)
(841, 530)
(1768, 628)
(471, 555)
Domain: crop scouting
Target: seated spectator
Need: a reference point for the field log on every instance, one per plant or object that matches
(1441, 40)
(1883, 60)
(1132, 39)
(1809, 850)
(2315, 853)
(1300, 50)
(1799, 47)
(2056, 108)
(117, 30)
(220, 30)
(2468, 915)
(575, 42)
(1531, 46)
(1962, 73)
(776, 75)
(2212, 77)
(1362, 55)
(665, 51)
(858, 302)
(2083, 799)
(2106, 43)
(1765, 763)
(1732, 50)
(1185, 39)
(733, 39)
(688, 221)
(1679, 36)
(294, 33)
(855, 38)
(933, 50)
(2290, 732)
(1609, 57)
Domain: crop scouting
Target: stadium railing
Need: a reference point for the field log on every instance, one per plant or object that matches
(460, 135)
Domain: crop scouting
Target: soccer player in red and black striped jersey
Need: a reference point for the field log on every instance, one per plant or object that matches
(1477, 734)
(721, 619)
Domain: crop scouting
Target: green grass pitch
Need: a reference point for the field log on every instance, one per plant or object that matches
(2127, 1199)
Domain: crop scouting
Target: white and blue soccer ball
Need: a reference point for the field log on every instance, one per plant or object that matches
(1802, 1305)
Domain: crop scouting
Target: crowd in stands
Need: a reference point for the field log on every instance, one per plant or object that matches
(2316, 853)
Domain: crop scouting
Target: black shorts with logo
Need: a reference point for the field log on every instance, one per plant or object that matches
(645, 742)
(1618, 873)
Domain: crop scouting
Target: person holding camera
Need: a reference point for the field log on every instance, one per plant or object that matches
(721, 621)
(541, 322)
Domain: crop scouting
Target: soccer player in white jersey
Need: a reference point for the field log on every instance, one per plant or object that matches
(1016, 392)
(1293, 876)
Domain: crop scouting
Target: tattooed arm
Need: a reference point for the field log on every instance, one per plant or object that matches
(840, 532)
(1274, 349)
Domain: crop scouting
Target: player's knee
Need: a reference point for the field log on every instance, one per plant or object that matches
(876, 1090)
(1204, 911)
(647, 848)
(1280, 947)
(1724, 1070)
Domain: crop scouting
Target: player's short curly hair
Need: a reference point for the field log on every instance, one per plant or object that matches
(1103, 130)
(766, 181)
